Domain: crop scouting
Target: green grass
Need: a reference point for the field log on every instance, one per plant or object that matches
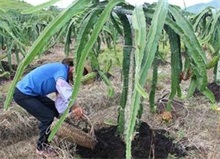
(18, 6)
(13, 5)
(111, 56)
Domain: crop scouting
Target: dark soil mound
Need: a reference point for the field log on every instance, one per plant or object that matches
(147, 143)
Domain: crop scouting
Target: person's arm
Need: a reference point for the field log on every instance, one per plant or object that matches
(65, 90)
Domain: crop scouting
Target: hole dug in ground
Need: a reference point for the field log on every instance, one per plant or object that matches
(147, 143)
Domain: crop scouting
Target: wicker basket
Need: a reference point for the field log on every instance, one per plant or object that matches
(78, 136)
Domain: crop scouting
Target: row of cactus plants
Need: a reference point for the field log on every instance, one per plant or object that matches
(141, 27)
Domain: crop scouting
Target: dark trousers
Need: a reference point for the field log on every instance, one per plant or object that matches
(42, 108)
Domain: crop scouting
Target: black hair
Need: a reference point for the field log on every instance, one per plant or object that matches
(68, 61)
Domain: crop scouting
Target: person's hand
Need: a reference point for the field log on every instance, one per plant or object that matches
(77, 112)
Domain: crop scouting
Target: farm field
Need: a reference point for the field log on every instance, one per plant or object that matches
(195, 135)
(147, 76)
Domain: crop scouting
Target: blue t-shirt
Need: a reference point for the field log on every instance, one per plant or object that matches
(42, 80)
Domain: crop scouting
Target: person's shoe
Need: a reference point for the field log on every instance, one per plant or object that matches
(47, 152)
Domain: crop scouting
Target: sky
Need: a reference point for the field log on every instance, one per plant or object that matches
(65, 3)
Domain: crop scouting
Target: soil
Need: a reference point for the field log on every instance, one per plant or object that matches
(192, 131)
(147, 143)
